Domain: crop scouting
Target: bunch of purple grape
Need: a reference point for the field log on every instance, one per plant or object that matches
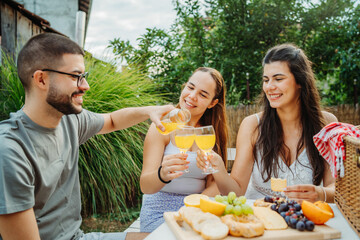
(291, 212)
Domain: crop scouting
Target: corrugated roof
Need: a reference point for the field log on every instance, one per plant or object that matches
(84, 5)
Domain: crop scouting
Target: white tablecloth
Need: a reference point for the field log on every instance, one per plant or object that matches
(163, 232)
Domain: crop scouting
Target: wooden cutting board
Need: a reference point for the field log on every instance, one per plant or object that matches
(183, 231)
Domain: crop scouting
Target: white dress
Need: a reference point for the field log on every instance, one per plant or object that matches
(299, 172)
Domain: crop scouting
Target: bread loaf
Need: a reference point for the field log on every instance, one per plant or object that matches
(243, 226)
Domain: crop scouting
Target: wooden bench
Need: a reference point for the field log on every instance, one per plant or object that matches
(134, 227)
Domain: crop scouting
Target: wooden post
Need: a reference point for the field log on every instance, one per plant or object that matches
(23, 33)
(355, 92)
(247, 87)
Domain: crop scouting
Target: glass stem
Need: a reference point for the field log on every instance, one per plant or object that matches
(184, 151)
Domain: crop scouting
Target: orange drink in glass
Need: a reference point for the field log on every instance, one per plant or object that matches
(205, 140)
(184, 138)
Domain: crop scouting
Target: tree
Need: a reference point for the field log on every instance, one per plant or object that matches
(334, 50)
(233, 37)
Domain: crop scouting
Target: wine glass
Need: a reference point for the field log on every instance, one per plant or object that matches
(184, 138)
(205, 140)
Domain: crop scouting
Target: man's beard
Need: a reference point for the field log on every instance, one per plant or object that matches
(61, 102)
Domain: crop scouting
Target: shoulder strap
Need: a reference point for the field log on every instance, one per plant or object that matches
(257, 118)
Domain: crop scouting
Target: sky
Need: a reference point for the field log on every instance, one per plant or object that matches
(124, 19)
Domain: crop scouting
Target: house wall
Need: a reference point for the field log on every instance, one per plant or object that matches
(60, 13)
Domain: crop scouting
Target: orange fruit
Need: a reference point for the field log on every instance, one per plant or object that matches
(325, 206)
(314, 213)
(207, 205)
(193, 200)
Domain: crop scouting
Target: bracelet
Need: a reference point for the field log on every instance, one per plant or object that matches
(166, 182)
(324, 193)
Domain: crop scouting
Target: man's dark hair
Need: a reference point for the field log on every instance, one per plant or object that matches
(44, 51)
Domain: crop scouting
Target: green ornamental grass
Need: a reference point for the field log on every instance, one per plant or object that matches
(12, 95)
(111, 163)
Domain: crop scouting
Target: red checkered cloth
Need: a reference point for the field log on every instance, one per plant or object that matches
(330, 143)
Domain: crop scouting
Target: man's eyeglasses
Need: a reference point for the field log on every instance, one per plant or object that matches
(80, 77)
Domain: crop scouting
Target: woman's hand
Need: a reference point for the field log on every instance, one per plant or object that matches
(214, 158)
(306, 192)
(173, 166)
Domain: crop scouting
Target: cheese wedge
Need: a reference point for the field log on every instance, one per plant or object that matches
(278, 184)
(271, 219)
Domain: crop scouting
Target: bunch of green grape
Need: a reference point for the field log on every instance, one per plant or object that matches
(234, 205)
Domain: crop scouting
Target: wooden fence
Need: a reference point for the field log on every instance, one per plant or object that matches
(344, 113)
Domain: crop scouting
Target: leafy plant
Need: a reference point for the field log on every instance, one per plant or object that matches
(334, 51)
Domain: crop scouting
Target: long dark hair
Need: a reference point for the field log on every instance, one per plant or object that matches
(270, 142)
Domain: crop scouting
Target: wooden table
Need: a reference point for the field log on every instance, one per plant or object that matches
(338, 222)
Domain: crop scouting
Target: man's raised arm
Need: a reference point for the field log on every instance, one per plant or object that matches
(128, 117)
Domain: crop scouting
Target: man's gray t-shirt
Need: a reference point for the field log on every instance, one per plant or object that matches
(39, 169)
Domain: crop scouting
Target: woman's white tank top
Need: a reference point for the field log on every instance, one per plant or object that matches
(192, 182)
(299, 172)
